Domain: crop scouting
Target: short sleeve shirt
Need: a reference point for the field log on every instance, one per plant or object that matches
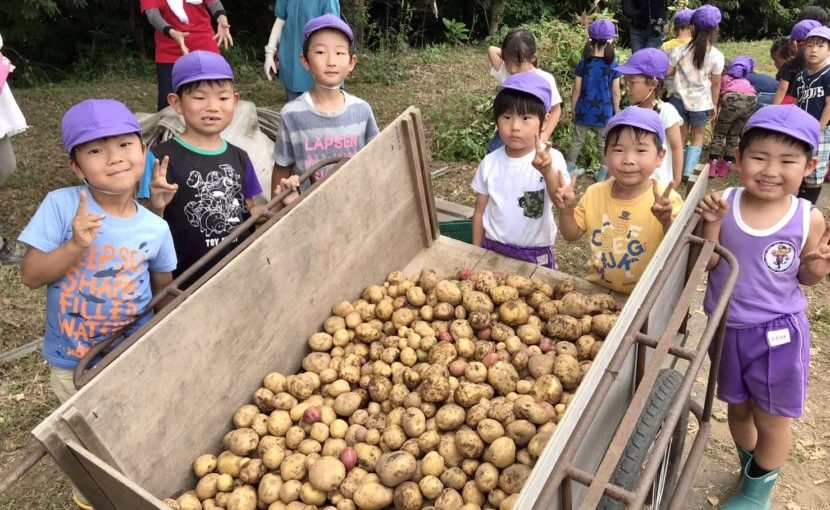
(199, 29)
(109, 286)
(595, 107)
(296, 14)
(623, 234)
(500, 74)
(519, 210)
(693, 85)
(812, 91)
(663, 174)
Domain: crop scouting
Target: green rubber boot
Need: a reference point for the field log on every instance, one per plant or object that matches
(743, 456)
(754, 493)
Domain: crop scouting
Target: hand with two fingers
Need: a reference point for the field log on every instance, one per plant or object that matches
(85, 225)
(542, 161)
(565, 197)
(662, 208)
(161, 191)
(819, 257)
(713, 207)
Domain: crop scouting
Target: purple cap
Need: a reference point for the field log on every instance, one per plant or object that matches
(602, 30)
(741, 66)
(802, 28)
(649, 62)
(789, 120)
(820, 31)
(706, 17)
(92, 119)
(683, 17)
(643, 118)
(530, 83)
(327, 21)
(200, 65)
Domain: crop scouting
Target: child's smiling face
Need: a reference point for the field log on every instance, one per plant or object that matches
(632, 157)
(114, 164)
(208, 108)
(770, 168)
(328, 58)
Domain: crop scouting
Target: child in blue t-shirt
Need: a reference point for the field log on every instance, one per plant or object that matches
(596, 91)
(100, 254)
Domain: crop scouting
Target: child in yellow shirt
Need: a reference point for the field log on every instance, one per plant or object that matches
(682, 30)
(627, 216)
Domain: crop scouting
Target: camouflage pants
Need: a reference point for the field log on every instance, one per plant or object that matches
(735, 110)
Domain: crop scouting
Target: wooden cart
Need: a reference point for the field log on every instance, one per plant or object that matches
(128, 438)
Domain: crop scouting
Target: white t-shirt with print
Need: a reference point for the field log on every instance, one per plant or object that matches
(693, 85)
(501, 74)
(669, 117)
(519, 210)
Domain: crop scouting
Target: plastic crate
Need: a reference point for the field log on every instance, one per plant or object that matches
(461, 230)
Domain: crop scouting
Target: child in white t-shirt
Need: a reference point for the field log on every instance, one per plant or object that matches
(515, 184)
(518, 55)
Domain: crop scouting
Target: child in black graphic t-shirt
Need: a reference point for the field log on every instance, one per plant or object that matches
(202, 185)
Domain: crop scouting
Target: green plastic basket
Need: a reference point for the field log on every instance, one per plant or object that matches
(461, 230)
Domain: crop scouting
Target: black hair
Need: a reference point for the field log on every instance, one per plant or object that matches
(595, 44)
(639, 134)
(814, 12)
(758, 134)
(519, 46)
(782, 47)
(797, 62)
(308, 40)
(190, 87)
(510, 100)
(701, 38)
(73, 155)
(816, 38)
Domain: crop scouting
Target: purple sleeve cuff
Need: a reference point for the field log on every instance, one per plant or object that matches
(252, 186)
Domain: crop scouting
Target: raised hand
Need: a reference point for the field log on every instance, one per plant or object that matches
(179, 37)
(565, 197)
(819, 257)
(542, 161)
(662, 207)
(713, 207)
(223, 32)
(161, 191)
(85, 225)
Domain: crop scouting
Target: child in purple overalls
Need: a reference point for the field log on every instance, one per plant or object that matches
(780, 242)
(515, 184)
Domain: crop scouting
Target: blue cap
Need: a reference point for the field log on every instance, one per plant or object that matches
(96, 118)
(802, 28)
(789, 120)
(200, 65)
(683, 17)
(741, 66)
(602, 30)
(649, 62)
(327, 21)
(643, 118)
(530, 83)
(706, 17)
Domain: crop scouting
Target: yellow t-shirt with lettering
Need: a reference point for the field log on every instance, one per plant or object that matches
(622, 234)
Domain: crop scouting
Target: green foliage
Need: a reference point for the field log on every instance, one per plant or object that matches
(382, 66)
(456, 32)
(463, 129)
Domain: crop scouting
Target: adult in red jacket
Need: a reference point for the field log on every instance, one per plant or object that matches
(182, 26)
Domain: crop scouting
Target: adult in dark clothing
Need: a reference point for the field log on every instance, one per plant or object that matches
(648, 17)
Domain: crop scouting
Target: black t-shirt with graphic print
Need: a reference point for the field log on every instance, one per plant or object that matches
(210, 201)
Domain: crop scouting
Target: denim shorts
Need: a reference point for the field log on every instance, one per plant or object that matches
(693, 119)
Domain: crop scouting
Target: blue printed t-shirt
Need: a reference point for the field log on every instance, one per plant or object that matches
(594, 107)
(811, 91)
(296, 14)
(109, 286)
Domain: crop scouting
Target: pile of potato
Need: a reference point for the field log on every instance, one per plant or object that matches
(425, 393)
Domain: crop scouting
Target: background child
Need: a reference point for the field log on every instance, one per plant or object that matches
(682, 26)
(325, 122)
(780, 242)
(627, 216)
(790, 69)
(737, 103)
(287, 37)
(518, 55)
(514, 184)
(596, 91)
(203, 186)
(697, 68)
(812, 89)
(642, 75)
(100, 254)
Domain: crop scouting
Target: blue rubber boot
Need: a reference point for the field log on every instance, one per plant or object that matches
(601, 174)
(754, 493)
(691, 157)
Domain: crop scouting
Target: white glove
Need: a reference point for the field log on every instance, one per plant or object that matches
(272, 64)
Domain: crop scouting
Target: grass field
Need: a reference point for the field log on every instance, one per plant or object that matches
(444, 82)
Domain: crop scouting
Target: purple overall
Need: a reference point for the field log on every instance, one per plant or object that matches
(542, 256)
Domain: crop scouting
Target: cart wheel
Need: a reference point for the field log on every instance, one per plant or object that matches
(639, 445)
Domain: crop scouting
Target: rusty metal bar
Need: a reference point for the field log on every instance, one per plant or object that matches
(679, 352)
(82, 374)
